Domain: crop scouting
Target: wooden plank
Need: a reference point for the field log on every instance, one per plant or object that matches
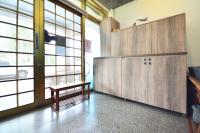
(167, 82)
(112, 76)
(143, 40)
(98, 75)
(168, 35)
(134, 79)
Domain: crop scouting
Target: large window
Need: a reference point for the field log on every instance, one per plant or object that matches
(62, 61)
(16, 53)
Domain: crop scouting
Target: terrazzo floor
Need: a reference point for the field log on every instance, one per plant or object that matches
(101, 114)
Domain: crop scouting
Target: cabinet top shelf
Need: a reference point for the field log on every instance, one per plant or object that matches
(144, 55)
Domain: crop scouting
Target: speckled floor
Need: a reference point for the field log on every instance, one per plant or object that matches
(102, 114)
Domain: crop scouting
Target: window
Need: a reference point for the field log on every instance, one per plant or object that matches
(62, 61)
(16, 53)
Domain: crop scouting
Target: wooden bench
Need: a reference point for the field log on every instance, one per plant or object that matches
(55, 90)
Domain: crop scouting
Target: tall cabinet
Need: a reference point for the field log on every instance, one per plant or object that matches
(145, 63)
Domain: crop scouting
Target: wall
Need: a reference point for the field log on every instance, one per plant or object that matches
(157, 9)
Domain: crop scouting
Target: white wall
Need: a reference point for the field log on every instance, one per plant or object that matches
(157, 9)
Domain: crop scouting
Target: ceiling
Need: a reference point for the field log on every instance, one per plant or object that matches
(112, 4)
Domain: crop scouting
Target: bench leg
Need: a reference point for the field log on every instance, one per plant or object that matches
(52, 97)
(83, 90)
(57, 101)
(88, 91)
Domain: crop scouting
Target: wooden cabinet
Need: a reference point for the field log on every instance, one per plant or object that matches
(134, 79)
(98, 74)
(167, 82)
(115, 44)
(112, 76)
(143, 40)
(168, 35)
(106, 27)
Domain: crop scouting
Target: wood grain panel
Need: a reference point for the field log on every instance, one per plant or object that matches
(112, 76)
(143, 39)
(134, 79)
(168, 35)
(106, 26)
(167, 82)
(115, 44)
(98, 74)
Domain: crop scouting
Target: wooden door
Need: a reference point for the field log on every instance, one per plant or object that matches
(112, 76)
(168, 35)
(98, 74)
(167, 82)
(143, 40)
(134, 79)
(115, 44)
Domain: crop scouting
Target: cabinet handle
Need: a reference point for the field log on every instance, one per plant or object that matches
(145, 63)
(145, 59)
(149, 59)
(149, 63)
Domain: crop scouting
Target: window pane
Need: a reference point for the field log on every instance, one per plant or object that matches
(7, 30)
(69, 51)
(26, 98)
(77, 78)
(25, 72)
(49, 6)
(7, 59)
(60, 20)
(26, 21)
(60, 11)
(7, 44)
(7, 73)
(25, 8)
(29, 1)
(49, 16)
(7, 16)
(25, 85)
(61, 80)
(77, 27)
(77, 52)
(12, 4)
(11, 102)
(25, 46)
(69, 42)
(77, 69)
(50, 27)
(7, 88)
(77, 36)
(69, 15)
(60, 60)
(25, 59)
(69, 24)
(77, 44)
(50, 81)
(69, 60)
(50, 70)
(60, 50)
(50, 60)
(70, 70)
(49, 49)
(24, 33)
(77, 19)
(60, 70)
(69, 33)
(60, 31)
(70, 78)
(77, 61)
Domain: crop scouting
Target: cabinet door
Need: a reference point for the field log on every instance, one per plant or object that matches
(143, 39)
(168, 35)
(112, 76)
(98, 75)
(115, 44)
(167, 82)
(134, 79)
